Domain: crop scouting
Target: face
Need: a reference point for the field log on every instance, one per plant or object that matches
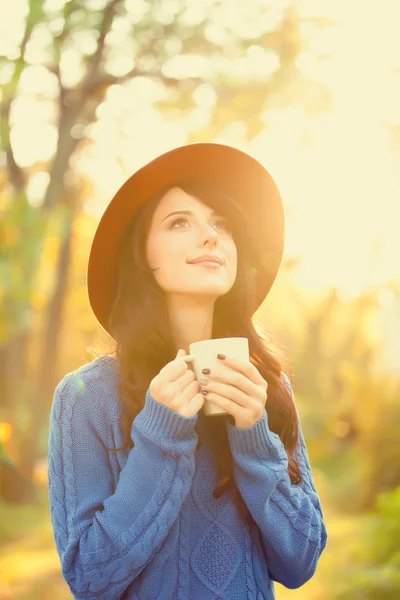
(175, 240)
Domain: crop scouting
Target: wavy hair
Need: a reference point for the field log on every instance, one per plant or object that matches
(141, 328)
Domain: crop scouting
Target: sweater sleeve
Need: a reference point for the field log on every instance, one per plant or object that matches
(106, 533)
(289, 516)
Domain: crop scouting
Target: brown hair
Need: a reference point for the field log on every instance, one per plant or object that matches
(141, 328)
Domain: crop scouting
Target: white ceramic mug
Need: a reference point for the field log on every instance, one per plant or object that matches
(203, 354)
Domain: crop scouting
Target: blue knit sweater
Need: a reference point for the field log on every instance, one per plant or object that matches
(143, 524)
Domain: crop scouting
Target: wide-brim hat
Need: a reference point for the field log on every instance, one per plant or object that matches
(235, 171)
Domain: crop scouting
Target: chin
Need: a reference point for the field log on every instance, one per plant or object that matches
(204, 290)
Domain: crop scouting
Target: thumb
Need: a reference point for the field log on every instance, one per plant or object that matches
(181, 352)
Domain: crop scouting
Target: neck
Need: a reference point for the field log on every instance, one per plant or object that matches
(191, 321)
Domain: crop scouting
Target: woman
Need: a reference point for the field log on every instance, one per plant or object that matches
(149, 498)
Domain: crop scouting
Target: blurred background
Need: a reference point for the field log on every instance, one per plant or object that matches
(91, 90)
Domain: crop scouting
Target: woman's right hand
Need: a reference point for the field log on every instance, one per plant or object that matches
(176, 387)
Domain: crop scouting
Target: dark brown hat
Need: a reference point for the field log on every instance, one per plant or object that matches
(233, 170)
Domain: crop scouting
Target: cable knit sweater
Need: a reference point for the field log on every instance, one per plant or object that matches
(142, 523)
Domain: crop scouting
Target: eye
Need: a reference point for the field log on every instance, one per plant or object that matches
(223, 223)
(175, 221)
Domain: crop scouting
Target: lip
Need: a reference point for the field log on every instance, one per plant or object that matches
(207, 263)
(207, 259)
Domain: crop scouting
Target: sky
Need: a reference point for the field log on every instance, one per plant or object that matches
(341, 190)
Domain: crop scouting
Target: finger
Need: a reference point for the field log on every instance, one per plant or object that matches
(246, 368)
(236, 380)
(187, 358)
(233, 378)
(174, 369)
(187, 378)
(190, 390)
(230, 392)
(231, 407)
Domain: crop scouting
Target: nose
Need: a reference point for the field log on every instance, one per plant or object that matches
(208, 234)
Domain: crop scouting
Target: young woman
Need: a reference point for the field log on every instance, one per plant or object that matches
(150, 499)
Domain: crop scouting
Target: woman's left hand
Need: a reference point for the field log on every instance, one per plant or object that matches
(238, 387)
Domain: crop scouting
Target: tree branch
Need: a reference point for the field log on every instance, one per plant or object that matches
(97, 57)
(16, 174)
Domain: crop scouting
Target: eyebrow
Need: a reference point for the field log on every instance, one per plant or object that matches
(188, 212)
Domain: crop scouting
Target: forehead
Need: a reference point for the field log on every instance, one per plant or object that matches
(177, 199)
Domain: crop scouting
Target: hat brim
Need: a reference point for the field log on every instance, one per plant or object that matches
(235, 171)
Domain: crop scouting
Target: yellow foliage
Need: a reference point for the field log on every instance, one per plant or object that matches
(5, 431)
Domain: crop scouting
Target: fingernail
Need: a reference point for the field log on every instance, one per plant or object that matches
(206, 371)
(204, 392)
(221, 356)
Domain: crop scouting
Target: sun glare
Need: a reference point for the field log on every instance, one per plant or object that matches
(338, 172)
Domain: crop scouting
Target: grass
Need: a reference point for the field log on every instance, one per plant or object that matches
(29, 563)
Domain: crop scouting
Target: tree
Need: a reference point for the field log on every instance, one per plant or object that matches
(113, 42)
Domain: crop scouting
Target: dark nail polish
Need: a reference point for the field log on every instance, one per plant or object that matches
(206, 371)
(221, 356)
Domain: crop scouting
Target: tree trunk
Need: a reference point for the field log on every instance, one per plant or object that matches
(47, 362)
(13, 357)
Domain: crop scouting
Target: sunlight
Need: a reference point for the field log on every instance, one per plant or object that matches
(340, 189)
(91, 91)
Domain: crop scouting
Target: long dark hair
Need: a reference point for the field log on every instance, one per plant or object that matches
(140, 325)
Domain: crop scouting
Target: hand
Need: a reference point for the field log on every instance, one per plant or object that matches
(238, 387)
(176, 387)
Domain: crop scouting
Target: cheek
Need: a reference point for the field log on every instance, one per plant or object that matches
(154, 256)
(159, 251)
(231, 253)
(166, 255)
